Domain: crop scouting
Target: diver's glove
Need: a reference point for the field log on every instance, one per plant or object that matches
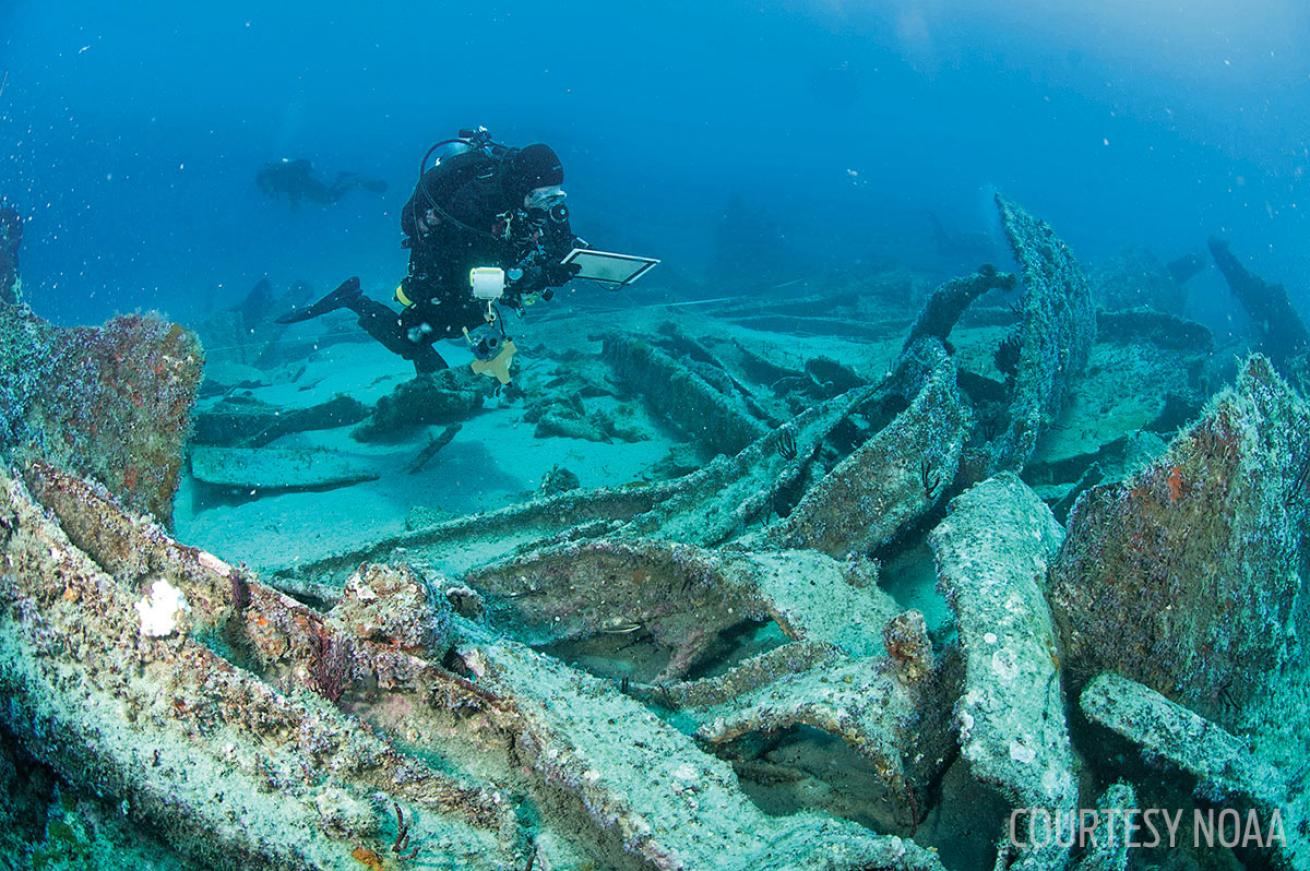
(535, 278)
(557, 274)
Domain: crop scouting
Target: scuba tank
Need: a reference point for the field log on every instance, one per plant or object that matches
(468, 141)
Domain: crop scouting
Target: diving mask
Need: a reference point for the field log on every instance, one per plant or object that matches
(544, 198)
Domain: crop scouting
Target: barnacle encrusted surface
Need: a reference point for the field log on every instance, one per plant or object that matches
(112, 402)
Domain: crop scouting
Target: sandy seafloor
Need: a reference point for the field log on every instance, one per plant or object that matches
(494, 461)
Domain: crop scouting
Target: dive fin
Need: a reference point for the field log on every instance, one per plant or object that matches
(342, 297)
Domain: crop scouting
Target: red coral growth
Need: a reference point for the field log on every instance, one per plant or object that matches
(331, 665)
(1175, 483)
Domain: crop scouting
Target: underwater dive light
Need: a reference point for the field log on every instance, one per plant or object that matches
(488, 282)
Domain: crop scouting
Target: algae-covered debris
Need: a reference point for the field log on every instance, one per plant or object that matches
(256, 469)
(240, 421)
(444, 398)
(897, 728)
(558, 480)
(1133, 391)
(532, 739)
(432, 448)
(717, 418)
(1049, 348)
(112, 402)
(899, 473)
(396, 607)
(679, 596)
(1207, 543)
(1222, 763)
(672, 805)
(1186, 739)
(833, 673)
(992, 551)
(166, 724)
(598, 426)
(1147, 326)
(947, 304)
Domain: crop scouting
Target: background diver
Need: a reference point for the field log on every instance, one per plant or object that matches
(483, 208)
(295, 180)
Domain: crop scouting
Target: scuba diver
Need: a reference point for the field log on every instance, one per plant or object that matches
(295, 180)
(486, 226)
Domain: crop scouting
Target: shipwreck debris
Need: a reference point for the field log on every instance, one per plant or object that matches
(1222, 763)
(948, 302)
(1206, 543)
(835, 674)
(1129, 387)
(879, 489)
(992, 552)
(276, 469)
(614, 678)
(628, 789)
(1281, 333)
(242, 421)
(112, 402)
(397, 608)
(440, 398)
(718, 420)
(670, 804)
(596, 426)
(1137, 279)
(1147, 326)
(899, 728)
(557, 480)
(683, 597)
(1186, 739)
(1051, 343)
(164, 723)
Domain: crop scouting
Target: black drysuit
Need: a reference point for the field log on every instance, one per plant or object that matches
(466, 212)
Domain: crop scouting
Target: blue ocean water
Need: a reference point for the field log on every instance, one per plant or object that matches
(130, 135)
